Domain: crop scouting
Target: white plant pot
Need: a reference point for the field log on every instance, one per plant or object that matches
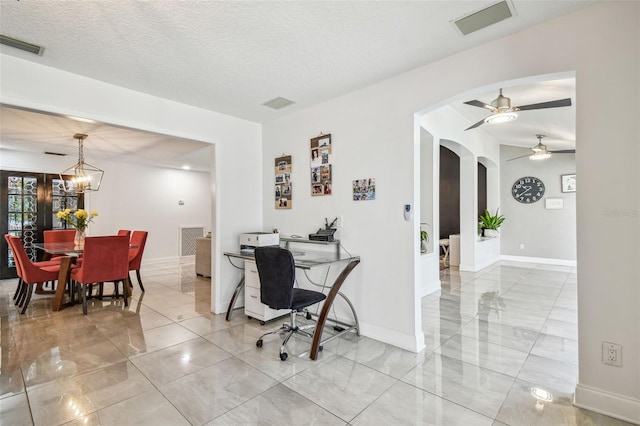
(491, 233)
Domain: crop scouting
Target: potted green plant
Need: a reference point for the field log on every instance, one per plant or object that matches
(424, 239)
(491, 222)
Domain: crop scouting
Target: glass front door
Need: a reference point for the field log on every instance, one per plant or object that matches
(28, 206)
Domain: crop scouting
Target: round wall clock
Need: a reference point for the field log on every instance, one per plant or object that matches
(527, 190)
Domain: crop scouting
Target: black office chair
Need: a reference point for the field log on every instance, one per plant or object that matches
(276, 269)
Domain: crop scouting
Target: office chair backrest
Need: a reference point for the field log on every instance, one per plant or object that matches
(277, 272)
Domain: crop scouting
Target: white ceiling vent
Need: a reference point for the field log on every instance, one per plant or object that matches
(22, 45)
(483, 18)
(278, 103)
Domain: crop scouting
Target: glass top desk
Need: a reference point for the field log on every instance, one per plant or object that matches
(306, 260)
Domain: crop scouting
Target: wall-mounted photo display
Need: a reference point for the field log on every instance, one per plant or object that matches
(364, 189)
(321, 173)
(283, 182)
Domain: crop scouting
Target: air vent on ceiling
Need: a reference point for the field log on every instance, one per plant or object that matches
(483, 18)
(278, 103)
(22, 45)
(59, 154)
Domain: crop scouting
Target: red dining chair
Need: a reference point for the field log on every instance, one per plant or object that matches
(105, 259)
(127, 233)
(7, 237)
(57, 236)
(31, 273)
(19, 272)
(138, 240)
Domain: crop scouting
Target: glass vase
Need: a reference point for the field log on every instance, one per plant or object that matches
(78, 239)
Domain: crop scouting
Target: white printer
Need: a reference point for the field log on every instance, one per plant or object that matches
(251, 240)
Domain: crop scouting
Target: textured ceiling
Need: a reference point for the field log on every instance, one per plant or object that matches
(232, 56)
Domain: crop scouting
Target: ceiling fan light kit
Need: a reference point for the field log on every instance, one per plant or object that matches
(540, 156)
(501, 117)
(540, 151)
(85, 177)
(503, 112)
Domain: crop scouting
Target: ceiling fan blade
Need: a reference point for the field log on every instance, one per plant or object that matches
(479, 104)
(564, 151)
(479, 123)
(542, 105)
(517, 158)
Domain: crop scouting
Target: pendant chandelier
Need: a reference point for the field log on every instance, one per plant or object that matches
(84, 176)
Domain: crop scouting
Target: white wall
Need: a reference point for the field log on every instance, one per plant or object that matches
(234, 192)
(373, 137)
(134, 197)
(363, 146)
(429, 215)
(545, 233)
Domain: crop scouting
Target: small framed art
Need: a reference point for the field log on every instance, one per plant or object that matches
(554, 203)
(568, 183)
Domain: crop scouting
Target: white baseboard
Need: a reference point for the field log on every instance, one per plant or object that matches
(479, 266)
(430, 288)
(609, 404)
(173, 260)
(158, 260)
(393, 337)
(544, 260)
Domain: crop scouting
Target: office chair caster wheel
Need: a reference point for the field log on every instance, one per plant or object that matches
(284, 356)
(320, 348)
(259, 343)
(308, 316)
(262, 323)
(249, 317)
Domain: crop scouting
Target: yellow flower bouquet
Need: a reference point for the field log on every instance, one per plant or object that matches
(79, 219)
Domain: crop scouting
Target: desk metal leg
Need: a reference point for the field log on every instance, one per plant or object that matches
(353, 311)
(322, 319)
(236, 292)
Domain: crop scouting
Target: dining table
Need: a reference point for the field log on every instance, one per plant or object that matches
(69, 253)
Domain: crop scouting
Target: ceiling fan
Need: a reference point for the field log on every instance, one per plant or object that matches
(540, 151)
(502, 111)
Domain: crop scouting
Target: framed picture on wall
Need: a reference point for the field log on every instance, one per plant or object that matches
(321, 165)
(568, 183)
(282, 193)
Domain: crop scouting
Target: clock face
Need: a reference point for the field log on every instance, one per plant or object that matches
(527, 190)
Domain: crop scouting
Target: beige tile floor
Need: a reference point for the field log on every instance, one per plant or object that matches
(491, 338)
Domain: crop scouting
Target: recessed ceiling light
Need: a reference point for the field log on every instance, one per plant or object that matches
(185, 167)
(278, 103)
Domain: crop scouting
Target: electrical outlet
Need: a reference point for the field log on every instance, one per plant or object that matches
(612, 354)
(339, 222)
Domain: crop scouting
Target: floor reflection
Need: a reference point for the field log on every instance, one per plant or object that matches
(501, 348)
